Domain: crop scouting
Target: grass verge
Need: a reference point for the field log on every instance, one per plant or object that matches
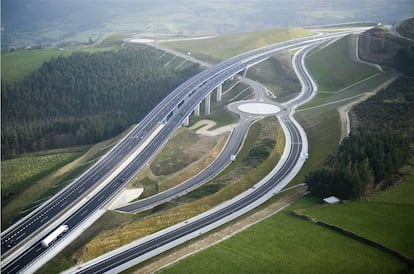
(334, 69)
(277, 74)
(50, 182)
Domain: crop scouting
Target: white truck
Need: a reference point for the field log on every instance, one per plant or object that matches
(54, 235)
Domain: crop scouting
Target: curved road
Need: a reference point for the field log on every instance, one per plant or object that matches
(232, 147)
(143, 249)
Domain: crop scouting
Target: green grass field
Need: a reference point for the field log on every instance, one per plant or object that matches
(401, 193)
(385, 217)
(287, 244)
(16, 65)
(390, 224)
(37, 176)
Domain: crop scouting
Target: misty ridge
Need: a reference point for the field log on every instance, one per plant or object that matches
(47, 22)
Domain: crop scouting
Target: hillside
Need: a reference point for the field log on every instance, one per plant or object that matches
(380, 46)
(83, 98)
(406, 28)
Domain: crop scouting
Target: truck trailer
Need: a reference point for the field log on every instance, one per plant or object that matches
(54, 235)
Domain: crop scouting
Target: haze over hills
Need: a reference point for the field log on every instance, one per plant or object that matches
(43, 22)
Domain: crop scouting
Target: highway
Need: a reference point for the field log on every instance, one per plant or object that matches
(115, 261)
(106, 265)
(66, 198)
(232, 147)
(163, 120)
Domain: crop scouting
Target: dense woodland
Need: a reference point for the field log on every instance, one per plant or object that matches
(378, 146)
(404, 60)
(83, 98)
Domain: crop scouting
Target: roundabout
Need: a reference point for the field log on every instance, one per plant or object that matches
(258, 108)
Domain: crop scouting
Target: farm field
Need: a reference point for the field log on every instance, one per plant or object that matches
(16, 65)
(385, 217)
(282, 244)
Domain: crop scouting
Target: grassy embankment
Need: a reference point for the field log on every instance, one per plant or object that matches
(167, 170)
(38, 176)
(20, 173)
(277, 74)
(325, 251)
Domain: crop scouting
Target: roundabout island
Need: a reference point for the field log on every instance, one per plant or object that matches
(258, 108)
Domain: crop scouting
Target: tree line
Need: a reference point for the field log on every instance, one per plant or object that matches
(375, 150)
(362, 158)
(83, 98)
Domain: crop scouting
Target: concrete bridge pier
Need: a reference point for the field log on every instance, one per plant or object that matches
(219, 92)
(197, 110)
(186, 122)
(245, 72)
(207, 102)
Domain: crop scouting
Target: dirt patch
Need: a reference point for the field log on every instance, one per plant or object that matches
(204, 127)
(183, 149)
(195, 167)
(200, 148)
(153, 184)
